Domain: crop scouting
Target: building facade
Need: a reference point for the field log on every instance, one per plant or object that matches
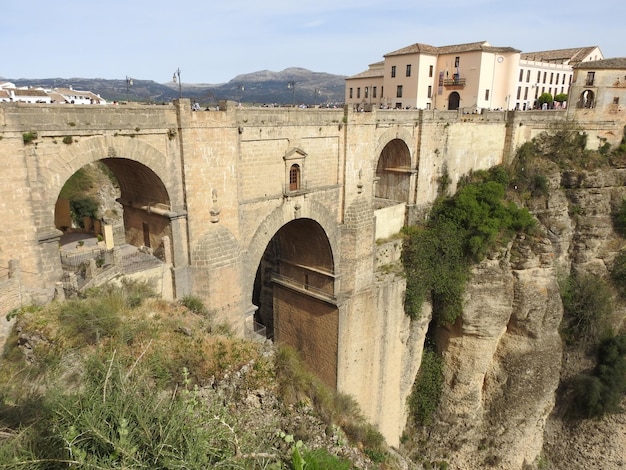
(469, 77)
(599, 87)
(549, 72)
(10, 93)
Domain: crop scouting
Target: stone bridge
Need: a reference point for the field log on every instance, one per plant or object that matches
(278, 218)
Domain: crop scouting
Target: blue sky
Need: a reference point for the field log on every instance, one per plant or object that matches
(213, 41)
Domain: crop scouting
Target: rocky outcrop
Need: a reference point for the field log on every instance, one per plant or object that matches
(504, 357)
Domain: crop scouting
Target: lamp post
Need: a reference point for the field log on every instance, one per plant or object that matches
(292, 86)
(180, 85)
(129, 83)
(241, 88)
(316, 94)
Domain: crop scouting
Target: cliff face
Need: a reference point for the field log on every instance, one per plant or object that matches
(504, 358)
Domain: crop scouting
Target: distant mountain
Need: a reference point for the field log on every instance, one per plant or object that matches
(291, 86)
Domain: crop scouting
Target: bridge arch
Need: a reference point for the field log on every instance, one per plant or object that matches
(131, 152)
(395, 169)
(151, 196)
(292, 283)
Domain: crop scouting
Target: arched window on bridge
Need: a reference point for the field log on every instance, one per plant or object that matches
(294, 171)
(294, 177)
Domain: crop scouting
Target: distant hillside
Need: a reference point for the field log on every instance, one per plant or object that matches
(263, 87)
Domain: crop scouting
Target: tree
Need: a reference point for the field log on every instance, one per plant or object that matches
(545, 98)
(561, 97)
(82, 207)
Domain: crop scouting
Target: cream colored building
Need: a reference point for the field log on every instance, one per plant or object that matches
(469, 77)
(366, 88)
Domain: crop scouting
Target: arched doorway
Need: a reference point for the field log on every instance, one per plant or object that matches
(454, 100)
(393, 172)
(587, 99)
(294, 291)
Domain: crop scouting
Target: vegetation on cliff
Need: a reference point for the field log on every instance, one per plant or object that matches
(462, 229)
(438, 256)
(459, 232)
(120, 379)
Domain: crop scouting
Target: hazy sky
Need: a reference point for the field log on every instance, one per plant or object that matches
(213, 41)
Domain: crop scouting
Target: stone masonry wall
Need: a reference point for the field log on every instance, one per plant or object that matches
(225, 174)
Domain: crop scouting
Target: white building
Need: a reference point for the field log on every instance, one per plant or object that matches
(549, 72)
(10, 93)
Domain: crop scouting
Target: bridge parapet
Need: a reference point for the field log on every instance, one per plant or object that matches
(73, 118)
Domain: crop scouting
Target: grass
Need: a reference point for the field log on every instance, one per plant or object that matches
(120, 379)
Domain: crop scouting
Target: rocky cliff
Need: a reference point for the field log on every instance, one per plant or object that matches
(504, 359)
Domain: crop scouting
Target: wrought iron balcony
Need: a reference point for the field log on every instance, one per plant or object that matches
(454, 82)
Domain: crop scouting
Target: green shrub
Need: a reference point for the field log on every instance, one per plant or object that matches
(68, 140)
(426, 393)
(619, 219)
(321, 459)
(83, 207)
(618, 272)
(561, 97)
(460, 231)
(545, 98)
(118, 421)
(194, 304)
(28, 137)
(602, 392)
(129, 293)
(90, 320)
(587, 308)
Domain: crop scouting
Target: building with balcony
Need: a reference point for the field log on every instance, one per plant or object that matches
(468, 77)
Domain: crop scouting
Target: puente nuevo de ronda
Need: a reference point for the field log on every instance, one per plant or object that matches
(280, 219)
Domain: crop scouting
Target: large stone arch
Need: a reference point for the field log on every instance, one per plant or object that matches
(92, 149)
(152, 197)
(293, 258)
(273, 223)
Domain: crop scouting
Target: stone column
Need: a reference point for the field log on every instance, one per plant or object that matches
(108, 236)
(179, 257)
(179, 245)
